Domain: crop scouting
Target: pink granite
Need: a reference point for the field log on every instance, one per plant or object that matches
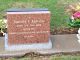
(28, 28)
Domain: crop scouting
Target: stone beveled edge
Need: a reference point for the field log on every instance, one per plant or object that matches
(27, 11)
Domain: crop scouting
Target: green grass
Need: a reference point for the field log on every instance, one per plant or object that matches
(57, 7)
(68, 57)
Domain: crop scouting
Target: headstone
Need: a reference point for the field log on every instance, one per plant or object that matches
(28, 29)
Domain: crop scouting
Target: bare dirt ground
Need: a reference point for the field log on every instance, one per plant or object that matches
(64, 31)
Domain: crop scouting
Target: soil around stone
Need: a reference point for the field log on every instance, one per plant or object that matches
(76, 53)
(62, 31)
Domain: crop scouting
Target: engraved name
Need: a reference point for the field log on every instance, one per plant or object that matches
(29, 21)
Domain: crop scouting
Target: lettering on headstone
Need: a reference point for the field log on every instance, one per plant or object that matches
(28, 28)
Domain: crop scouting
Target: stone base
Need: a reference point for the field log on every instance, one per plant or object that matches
(33, 46)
